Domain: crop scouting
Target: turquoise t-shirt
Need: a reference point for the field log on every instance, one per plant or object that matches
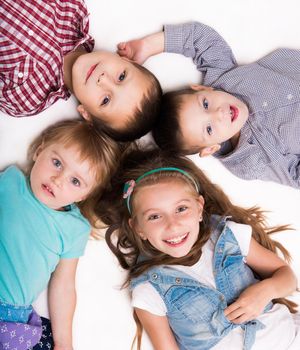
(33, 238)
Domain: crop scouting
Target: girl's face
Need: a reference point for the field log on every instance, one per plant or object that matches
(167, 214)
(59, 178)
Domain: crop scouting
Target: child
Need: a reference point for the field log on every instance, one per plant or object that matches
(247, 116)
(46, 55)
(44, 226)
(194, 259)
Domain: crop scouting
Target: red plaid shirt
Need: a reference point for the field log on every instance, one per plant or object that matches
(35, 35)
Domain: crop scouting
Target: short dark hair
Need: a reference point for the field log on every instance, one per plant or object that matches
(144, 116)
(166, 130)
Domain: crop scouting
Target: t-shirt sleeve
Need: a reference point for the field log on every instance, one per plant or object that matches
(77, 248)
(145, 297)
(243, 234)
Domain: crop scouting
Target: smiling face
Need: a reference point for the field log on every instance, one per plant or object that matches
(210, 117)
(167, 214)
(59, 178)
(108, 86)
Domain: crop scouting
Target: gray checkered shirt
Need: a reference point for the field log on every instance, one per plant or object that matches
(269, 145)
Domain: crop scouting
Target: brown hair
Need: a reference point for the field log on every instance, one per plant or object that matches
(129, 246)
(144, 115)
(166, 130)
(98, 149)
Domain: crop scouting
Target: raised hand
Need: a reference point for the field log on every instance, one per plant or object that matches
(139, 50)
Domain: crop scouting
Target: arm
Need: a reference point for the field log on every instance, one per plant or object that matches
(279, 281)
(140, 50)
(158, 329)
(209, 51)
(62, 301)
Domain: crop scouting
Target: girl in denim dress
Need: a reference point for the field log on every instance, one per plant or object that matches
(203, 272)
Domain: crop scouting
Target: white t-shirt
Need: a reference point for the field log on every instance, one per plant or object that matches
(280, 333)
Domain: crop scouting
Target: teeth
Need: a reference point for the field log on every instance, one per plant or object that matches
(176, 239)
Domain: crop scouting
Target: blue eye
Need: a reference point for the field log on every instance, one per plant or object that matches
(122, 76)
(105, 101)
(56, 163)
(209, 130)
(205, 103)
(75, 182)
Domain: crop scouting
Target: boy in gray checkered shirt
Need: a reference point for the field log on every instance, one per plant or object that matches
(247, 116)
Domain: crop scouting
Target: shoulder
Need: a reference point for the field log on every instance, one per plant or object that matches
(146, 297)
(242, 234)
(12, 174)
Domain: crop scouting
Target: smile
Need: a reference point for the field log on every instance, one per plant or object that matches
(90, 72)
(234, 112)
(177, 240)
(47, 190)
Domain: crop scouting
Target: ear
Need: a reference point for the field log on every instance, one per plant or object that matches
(134, 228)
(200, 87)
(207, 151)
(37, 152)
(84, 113)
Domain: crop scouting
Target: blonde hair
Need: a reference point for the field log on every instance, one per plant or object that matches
(93, 146)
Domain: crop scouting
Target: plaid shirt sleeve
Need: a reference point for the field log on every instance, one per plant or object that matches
(35, 36)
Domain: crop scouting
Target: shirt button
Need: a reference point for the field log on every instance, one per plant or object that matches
(20, 75)
(30, 32)
(222, 297)
(178, 280)
(154, 276)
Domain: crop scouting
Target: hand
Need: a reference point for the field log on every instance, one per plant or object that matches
(140, 49)
(249, 304)
(133, 50)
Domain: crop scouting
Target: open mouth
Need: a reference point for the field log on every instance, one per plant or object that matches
(234, 112)
(90, 72)
(47, 190)
(176, 241)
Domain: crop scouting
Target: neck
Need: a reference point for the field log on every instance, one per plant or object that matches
(69, 61)
(235, 139)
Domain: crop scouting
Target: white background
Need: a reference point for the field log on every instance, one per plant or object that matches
(252, 28)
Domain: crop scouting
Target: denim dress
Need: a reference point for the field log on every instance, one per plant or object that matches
(195, 311)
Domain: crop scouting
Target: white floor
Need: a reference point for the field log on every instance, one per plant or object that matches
(253, 28)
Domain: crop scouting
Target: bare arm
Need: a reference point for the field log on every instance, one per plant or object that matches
(158, 329)
(279, 281)
(62, 301)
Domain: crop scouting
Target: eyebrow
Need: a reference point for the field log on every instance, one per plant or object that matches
(75, 174)
(155, 209)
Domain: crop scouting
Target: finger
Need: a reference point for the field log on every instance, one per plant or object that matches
(243, 318)
(235, 314)
(122, 45)
(231, 308)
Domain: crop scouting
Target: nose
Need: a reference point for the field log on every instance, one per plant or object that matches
(57, 180)
(104, 79)
(172, 224)
(219, 114)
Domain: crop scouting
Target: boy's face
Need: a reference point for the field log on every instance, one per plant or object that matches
(210, 117)
(59, 178)
(108, 86)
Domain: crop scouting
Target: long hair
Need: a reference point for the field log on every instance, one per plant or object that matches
(128, 246)
(99, 150)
